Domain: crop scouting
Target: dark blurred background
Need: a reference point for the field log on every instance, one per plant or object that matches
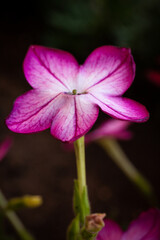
(37, 164)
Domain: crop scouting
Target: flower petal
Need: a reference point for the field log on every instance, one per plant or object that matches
(109, 69)
(32, 112)
(121, 108)
(76, 116)
(50, 68)
(111, 231)
(146, 227)
(4, 147)
(110, 128)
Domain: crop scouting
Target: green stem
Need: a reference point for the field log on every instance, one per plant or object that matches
(80, 161)
(112, 147)
(14, 220)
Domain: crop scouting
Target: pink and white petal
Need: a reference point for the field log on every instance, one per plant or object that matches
(113, 126)
(50, 68)
(32, 112)
(109, 69)
(145, 227)
(111, 231)
(121, 108)
(117, 82)
(75, 117)
(110, 128)
(63, 124)
(117, 129)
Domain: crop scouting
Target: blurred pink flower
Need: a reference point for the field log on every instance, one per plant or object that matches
(145, 227)
(4, 147)
(154, 76)
(67, 96)
(112, 128)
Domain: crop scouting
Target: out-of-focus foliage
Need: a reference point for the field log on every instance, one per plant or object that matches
(82, 25)
(78, 26)
(3, 235)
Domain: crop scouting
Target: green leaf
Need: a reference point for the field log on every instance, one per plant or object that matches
(73, 232)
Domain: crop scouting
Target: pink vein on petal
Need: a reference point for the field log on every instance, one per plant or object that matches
(109, 74)
(53, 74)
(76, 116)
(25, 118)
(50, 68)
(111, 65)
(122, 108)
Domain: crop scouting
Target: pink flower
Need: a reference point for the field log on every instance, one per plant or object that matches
(4, 147)
(66, 96)
(154, 76)
(112, 128)
(145, 227)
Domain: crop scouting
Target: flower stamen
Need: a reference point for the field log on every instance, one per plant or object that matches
(74, 92)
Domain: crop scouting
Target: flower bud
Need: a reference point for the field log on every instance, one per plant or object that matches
(32, 201)
(94, 222)
(25, 201)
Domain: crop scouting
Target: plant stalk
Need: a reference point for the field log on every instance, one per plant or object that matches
(14, 220)
(79, 147)
(114, 150)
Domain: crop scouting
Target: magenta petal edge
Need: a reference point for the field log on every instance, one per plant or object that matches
(66, 96)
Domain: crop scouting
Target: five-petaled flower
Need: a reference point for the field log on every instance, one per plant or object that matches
(145, 227)
(66, 96)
